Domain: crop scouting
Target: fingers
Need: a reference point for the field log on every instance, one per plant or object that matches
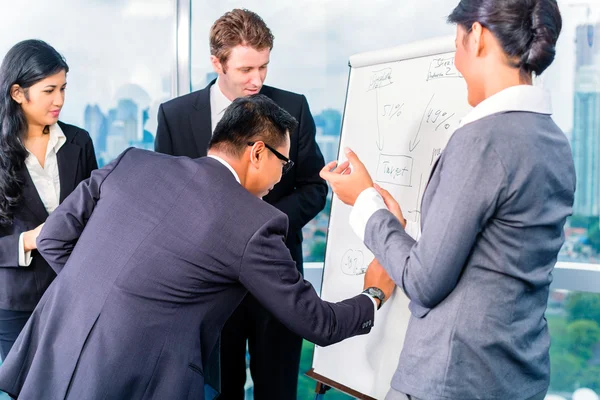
(341, 167)
(326, 171)
(329, 166)
(384, 193)
(353, 158)
(332, 169)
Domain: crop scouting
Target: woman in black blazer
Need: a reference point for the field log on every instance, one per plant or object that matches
(41, 161)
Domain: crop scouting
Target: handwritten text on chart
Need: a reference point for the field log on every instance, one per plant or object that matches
(442, 68)
(439, 118)
(353, 263)
(392, 110)
(394, 169)
(380, 78)
(432, 117)
(435, 153)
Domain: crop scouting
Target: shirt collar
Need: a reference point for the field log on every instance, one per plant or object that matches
(57, 139)
(55, 142)
(219, 102)
(525, 98)
(225, 163)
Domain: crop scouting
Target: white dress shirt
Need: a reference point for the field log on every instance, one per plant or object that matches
(46, 181)
(229, 167)
(218, 105)
(515, 98)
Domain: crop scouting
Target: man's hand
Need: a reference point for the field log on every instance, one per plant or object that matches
(347, 179)
(391, 204)
(29, 238)
(377, 277)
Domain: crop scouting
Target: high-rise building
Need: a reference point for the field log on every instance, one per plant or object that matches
(585, 142)
(587, 44)
(128, 114)
(328, 145)
(97, 126)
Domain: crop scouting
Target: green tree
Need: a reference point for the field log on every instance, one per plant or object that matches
(590, 378)
(565, 369)
(583, 337)
(583, 306)
(317, 252)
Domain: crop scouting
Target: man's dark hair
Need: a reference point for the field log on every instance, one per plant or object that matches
(250, 119)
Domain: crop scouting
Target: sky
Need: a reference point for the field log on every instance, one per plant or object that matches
(111, 43)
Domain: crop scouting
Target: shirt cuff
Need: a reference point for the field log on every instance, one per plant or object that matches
(367, 204)
(24, 256)
(374, 302)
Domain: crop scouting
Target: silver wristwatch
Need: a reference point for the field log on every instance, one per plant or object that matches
(377, 293)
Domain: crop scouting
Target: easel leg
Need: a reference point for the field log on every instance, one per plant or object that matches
(320, 390)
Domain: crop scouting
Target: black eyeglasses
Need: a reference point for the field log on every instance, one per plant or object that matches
(288, 164)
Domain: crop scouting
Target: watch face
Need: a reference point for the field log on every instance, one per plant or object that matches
(376, 292)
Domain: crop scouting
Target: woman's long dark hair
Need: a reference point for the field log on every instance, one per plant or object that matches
(526, 29)
(25, 64)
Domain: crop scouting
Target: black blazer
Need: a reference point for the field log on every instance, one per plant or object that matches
(185, 129)
(22, 287)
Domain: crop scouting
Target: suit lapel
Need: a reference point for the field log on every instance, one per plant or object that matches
(435, 164)
(32, 200)
(201, 121)
(68, 162)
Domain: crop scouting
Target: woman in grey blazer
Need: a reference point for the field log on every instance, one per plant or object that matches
(492, 219)
(41, 162)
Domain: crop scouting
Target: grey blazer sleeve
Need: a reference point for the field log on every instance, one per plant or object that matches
(269, 273)
(471, 177)
(64, 226)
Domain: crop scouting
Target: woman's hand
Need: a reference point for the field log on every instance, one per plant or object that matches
(30, 237)
(391, 204)
(348, 179)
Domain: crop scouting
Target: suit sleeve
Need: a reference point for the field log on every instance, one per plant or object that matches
(64, 226)
(162, 141)
(471, 180)
(269, 273)
(310, 192)
(9, 250)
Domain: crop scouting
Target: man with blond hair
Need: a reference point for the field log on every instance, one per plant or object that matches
(240, 46)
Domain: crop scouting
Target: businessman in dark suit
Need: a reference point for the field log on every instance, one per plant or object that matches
(153, 254)
(240, 45)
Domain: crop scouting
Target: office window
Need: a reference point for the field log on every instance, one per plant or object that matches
(574, 316)
(121, 58)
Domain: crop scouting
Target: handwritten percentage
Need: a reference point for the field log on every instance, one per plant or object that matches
(434, 115)
(392, 110)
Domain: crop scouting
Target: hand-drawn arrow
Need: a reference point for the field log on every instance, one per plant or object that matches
(379, 141)
(413, 143)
